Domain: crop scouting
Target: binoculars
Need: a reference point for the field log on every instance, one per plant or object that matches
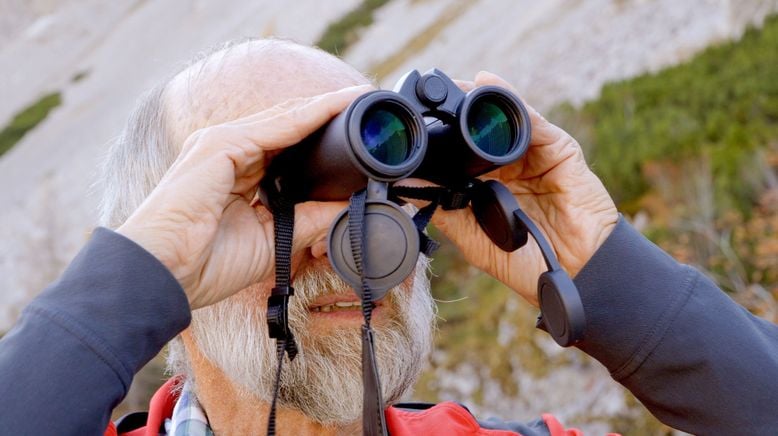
(425, 128)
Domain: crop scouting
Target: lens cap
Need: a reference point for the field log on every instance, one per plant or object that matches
(561, 306)
(391, 243)
(493, 206)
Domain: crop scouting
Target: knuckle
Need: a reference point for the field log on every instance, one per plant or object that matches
(212, 134)
(214, 138)
(290, 104)
(291, 124)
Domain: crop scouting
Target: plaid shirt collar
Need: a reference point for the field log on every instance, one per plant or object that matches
(188, 417)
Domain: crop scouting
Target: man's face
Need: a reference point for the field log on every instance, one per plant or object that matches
(324, 381)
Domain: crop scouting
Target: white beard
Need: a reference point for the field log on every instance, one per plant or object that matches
(325, 380)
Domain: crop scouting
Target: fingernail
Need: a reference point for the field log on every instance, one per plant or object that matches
(484, 72)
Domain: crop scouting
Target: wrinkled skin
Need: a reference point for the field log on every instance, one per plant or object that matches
(556, 188)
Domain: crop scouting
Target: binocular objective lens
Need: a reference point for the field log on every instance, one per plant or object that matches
(490, 128)
(386, 136)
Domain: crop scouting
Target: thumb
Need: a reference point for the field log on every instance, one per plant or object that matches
(484, 78)
(313, 220)
(459, 225)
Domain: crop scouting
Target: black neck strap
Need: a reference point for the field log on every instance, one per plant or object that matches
(278, 302)
(373, 420)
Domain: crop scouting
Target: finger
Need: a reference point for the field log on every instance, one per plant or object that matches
(484, 78)
(448, 220)
(291, 104)
(291, 126)
(246, 183)
(462, 229)
(313, 220)
(246, 143)
(543, 132)
(465, 85)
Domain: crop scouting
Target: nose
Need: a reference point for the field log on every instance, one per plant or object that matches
(319, 249)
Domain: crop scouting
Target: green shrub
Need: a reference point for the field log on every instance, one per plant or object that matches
(344, 32)
(27, 119)
(721, 105)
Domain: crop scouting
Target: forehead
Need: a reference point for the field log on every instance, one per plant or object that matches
(246, 78)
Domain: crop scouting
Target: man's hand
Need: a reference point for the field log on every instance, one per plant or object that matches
(199, 221)
(555, 187)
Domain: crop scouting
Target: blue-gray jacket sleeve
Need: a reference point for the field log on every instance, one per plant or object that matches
(71, 357)
(696, 359)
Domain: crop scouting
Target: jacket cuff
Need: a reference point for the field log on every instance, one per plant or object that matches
(632, 291)
(119, 300)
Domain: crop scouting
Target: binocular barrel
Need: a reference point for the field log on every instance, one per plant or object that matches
(379, 136)
(426, 128)
(491, 129)
(384, 136)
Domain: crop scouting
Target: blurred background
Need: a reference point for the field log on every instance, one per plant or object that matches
(675, 103)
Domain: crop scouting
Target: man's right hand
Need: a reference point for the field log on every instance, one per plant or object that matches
(199, 221)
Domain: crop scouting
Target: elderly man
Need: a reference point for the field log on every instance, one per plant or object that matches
(189, 234)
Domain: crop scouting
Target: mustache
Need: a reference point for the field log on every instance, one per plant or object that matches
(311, 283)
(318, 280)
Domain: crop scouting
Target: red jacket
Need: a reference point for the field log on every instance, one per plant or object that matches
(441, 419)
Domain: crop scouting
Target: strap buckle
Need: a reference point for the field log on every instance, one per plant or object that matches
(277, 308)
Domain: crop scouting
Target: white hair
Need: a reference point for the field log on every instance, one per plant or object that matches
(325, 380)
(136, 161)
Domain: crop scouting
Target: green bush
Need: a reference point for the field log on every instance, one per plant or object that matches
(27, 119)
(721, 105)
(344, 32)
